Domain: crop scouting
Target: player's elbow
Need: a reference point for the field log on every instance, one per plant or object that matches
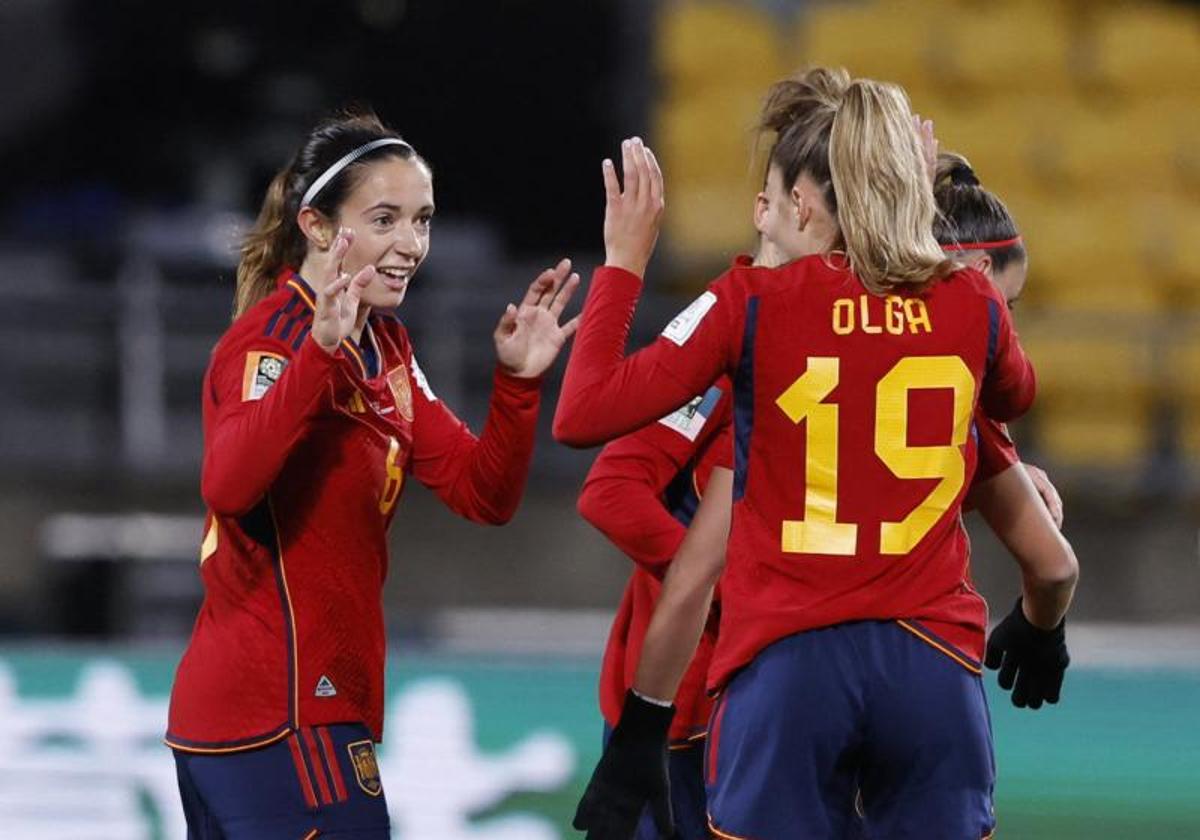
(1059, 571)
(569, 428)
(225, 495)
(590, 503)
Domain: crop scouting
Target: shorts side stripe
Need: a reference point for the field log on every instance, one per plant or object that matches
(723, 835)
(944, 648)
(317, 770)
(335, 770)
(305, 783)
(714, 739)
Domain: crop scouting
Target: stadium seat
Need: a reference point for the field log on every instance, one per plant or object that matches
(1146, 49)
(702, 43)
(887, 41)
(1095, 392)
(1004, 49)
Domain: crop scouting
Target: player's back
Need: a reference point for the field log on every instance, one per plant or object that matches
(854, 449)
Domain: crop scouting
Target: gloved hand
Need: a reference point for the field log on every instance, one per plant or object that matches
(631, 774)
(1031, 660)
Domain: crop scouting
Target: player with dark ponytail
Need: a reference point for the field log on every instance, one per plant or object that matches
(851, 639)
(315, 415)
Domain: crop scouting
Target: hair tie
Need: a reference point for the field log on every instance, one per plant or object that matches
(332, 172)
(981, 246)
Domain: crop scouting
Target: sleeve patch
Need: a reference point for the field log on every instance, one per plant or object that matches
(263, 370)
(684, 324)
(422, 382)
(690, 419)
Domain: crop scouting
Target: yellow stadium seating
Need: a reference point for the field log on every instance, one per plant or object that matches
(890, 41)
(1095, 393)
(1184, 364)
(1146, 49)
(702, 43)
(1002, 49)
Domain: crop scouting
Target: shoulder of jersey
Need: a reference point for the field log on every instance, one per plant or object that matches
(811, 268)
(282, 319)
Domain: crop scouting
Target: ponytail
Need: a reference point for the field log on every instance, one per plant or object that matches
(885, 201)
(274, 242)
(972, 218)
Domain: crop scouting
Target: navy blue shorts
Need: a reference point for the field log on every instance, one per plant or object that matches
(320, 782)
(686, 768)
(865, 709)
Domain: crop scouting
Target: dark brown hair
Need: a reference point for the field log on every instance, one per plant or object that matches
(970, 213)
(276, 240)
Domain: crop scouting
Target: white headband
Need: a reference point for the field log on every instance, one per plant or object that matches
(332, 172)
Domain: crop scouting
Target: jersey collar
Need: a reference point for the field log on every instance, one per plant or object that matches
(291, 279)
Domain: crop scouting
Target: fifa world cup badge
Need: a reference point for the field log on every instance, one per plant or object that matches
(263, 370)
(366, 768)
(401, 391)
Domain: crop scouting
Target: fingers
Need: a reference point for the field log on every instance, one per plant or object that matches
(1053, 689)
(994, 656)
(336, 287)
(358, 284)
(656, 179)
(507, 324)
(660, 810)
(1008, 672)
(341, 244)
(569, 328)
(563, 296)
(612, 189)
(630, 171)
(1025, 691)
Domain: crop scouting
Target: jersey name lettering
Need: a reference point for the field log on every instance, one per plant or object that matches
(899, 314)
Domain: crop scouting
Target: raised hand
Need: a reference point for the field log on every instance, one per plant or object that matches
(632, 216)
(338, 295)
(529, 336)
(929, 145)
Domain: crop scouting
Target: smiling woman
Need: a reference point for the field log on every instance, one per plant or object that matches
(315, 412)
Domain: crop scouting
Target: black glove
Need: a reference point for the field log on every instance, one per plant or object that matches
(1033, 658)
(631, 773)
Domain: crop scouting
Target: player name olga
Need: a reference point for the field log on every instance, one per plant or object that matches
(893, 316)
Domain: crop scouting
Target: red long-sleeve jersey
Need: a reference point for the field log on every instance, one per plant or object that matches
(642, 493)
(852, 450)
(305, 456)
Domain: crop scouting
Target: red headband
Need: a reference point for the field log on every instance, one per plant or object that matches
(981, 246)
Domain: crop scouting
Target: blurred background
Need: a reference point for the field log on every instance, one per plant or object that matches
(136, 140)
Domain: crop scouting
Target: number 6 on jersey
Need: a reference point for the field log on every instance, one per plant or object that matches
(820, 532)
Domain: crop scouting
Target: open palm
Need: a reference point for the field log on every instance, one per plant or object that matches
(529, 336)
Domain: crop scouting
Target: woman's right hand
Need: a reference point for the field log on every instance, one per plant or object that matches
(339, 295)
(632, 217)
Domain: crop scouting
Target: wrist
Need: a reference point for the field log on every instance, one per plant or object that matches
(643, 717)
(1035, 623)
(633, 266)
(331, 349)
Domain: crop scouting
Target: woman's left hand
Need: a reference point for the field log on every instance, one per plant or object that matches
(529, 336)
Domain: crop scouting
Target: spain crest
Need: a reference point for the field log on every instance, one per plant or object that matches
(401, 391)
(366, 768)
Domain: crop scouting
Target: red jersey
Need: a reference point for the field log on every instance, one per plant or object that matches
(305, 456)
(997, 452)
(642, 493)
(852, 449)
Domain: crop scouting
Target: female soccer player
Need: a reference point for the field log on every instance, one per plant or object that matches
(644, 488)
(315, 412)
(868, 366)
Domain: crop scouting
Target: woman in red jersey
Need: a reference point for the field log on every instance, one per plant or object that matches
(315, 414)
(854, 603)
(644, 488)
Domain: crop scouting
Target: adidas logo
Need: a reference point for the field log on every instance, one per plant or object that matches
(325, 687)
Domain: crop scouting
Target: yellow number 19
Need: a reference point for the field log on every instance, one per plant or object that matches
(820, 532)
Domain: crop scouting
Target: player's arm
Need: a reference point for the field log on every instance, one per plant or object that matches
(1029, 645)
(632, 773)
(479, 478)
(682, 608)
(1015, 511)
(1009, 384)
(622, 495)
(251, 432)
(604, 394)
